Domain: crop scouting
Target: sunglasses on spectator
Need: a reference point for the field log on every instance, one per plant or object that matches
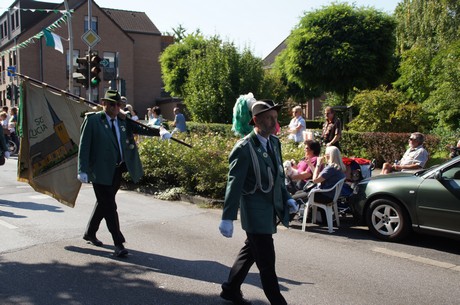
(113, 104)
(412, 139)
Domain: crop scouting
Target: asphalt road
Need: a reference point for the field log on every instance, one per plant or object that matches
(177, 256)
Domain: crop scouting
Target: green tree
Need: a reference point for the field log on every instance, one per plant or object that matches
(444, 99)
(384, 110)
(175, 62)
(428, 35)
(340, 47)
(209, 94)
(210, 75)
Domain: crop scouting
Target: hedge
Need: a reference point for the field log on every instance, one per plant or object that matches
(202, 170)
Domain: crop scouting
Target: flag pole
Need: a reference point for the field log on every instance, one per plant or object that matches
(69, 94)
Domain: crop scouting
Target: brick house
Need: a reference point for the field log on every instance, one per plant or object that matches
(130, 46)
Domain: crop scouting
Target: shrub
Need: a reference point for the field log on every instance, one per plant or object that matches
(202, 170)
(199, 170)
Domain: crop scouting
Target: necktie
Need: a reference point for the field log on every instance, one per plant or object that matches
(116, 140)
(270, 152)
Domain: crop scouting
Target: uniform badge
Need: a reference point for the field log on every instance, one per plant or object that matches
(265, 155)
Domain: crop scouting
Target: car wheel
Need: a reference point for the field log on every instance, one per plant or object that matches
(387, 220)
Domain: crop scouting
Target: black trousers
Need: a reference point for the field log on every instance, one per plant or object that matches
(106, 208)
(258, 248)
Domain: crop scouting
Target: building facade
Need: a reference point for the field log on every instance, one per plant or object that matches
(130, 45)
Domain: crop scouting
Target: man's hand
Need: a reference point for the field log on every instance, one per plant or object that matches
(83, 177)
(123, 114)
(293, 207)
(6, 154)
(226, 228)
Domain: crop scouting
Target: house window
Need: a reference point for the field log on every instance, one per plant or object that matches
(93, 24)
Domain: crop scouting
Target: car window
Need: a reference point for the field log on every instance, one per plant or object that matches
(452, 172)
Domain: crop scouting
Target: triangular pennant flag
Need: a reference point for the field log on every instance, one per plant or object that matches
(53, 40)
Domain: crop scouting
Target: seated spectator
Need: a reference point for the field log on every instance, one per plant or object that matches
(297, 125)
(327, 177)
(455, 150)
(154, 116)
(297, 180)
(179, 121)
(414, 158)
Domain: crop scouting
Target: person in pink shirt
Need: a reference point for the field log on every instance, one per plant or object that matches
(303, 172)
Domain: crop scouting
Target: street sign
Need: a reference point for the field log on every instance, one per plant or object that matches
(90, 38)
(11, 71)
(104, 62)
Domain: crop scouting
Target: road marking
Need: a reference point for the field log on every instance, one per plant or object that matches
(39, 196)
(5, 224)
(418, 259)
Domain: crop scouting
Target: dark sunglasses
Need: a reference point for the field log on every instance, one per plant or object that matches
(113, 104)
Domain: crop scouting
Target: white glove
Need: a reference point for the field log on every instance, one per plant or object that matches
(164, 134)
(83, 177)
(226, 228)
(6, 154)
(293, 207)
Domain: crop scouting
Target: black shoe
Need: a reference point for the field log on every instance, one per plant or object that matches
(93, 240)
(120, 251)
(235, 298)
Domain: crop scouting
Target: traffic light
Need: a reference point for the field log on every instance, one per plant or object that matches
(82, 71)
(95, 70)
(16, 92)
(8, 92)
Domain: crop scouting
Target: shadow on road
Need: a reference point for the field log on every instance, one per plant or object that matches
(110, 282)
(33, 206)
(351, 230)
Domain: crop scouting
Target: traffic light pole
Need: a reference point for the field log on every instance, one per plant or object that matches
(69, 26)
(90, 94)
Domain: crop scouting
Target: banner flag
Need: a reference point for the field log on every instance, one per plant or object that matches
(53, 40)
(49, 144)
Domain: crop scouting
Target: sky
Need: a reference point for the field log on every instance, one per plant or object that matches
(260, 25)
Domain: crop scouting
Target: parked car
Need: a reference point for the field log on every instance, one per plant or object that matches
(426, 201)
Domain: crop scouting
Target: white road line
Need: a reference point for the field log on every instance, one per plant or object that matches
(5, 224)
(418, 259)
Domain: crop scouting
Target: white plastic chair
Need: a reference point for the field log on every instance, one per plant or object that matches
(329, 208)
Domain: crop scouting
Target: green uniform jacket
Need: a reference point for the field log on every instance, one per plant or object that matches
(97, 154)
(259, 210)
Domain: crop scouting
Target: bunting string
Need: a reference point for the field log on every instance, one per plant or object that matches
(57, 24)
(40, 10)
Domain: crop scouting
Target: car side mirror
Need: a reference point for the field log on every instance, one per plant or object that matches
(438, 175)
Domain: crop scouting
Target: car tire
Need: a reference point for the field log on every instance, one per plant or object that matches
(387, 220)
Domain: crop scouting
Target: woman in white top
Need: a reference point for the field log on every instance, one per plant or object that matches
(297, 125)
